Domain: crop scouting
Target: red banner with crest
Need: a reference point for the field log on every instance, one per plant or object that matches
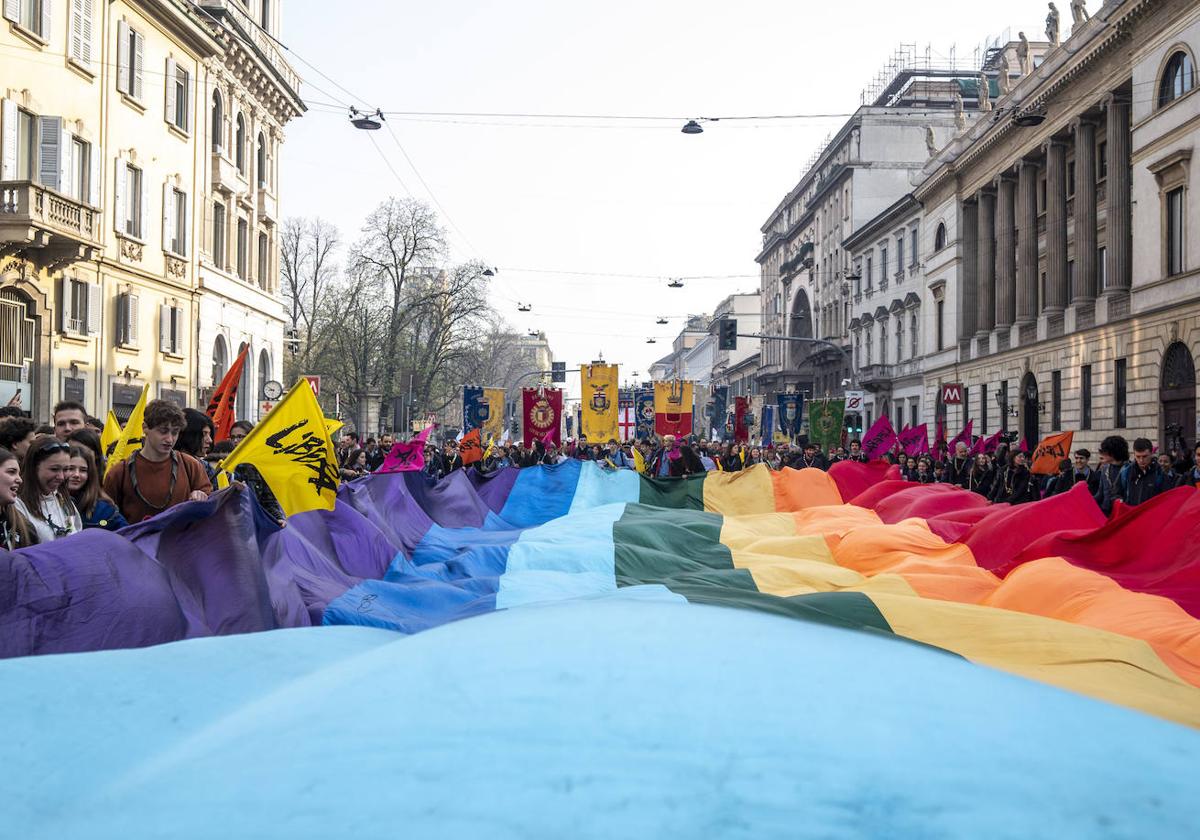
(542, 415)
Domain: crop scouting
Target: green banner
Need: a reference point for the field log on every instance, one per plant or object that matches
(825, 422)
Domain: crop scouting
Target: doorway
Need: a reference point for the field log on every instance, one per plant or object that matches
(1029, 410)
(1177, 397)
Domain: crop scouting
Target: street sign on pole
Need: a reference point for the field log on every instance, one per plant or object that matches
(315, 381)
(854, 401)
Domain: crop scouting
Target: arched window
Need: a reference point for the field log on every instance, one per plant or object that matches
(244, 400)
(870, 348)
(939, 238)
(218, 121)
(913, 334)
(1179, 77)
(239, 145)
(261, 161)
(883, 343)
(899, 337)
(220, 359)
(264, 373)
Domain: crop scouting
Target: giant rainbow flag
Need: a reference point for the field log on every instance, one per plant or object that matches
(642, 657)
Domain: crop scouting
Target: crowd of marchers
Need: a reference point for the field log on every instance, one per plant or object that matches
(56, 478)
(1118, 472)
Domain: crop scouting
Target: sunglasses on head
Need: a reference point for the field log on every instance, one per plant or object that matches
(57, 446)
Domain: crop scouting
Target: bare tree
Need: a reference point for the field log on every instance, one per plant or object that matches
(307, 250)
(400, 238)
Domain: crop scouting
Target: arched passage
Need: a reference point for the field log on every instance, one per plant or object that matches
(800, 325)
(246, 386)
(1029, 410)
(1177, 398)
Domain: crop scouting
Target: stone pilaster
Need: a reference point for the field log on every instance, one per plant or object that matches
(1027, 244)
(968, 296)
(985, 272)
(1006, 251)
(1119, 219)
(1084, 288)
(1056, 228)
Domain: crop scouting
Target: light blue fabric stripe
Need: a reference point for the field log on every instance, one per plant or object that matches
(598, 486)
(571, 557)
(541, 495)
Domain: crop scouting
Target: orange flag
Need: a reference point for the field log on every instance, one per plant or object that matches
(222, 408)
(470, 448)
(1050, 452)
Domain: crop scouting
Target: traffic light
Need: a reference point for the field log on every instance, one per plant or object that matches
(558, 371)
(853, 424)
(727, 334)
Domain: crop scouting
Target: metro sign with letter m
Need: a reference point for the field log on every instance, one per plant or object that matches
(952, 393)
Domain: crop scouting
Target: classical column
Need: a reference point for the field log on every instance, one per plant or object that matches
(1084, 287)
(1027, 243)
(1056, 227)
(969, 296)
(1006, 251)
(985, 273)
(1119, 222)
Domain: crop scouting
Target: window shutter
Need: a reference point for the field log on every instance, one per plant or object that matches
(123, 56)
(170, 89)
(131, 319)
(85, 33)
(12, 10)
(64, 303)
(122, 318)
(164, 328)
(95, 308)
(94, 175)
(168, 225)
(177, 348)
(187, 102)
(139, 61)
(8, 146)
(75, 39)
(119, 197)
(50, 135)
(46, 16)
(144, 208)
(185, 234)
(66, 165)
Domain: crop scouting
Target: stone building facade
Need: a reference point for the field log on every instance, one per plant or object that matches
(1065, 261)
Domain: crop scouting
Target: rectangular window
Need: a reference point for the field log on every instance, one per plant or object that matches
(219, 252)
(81, 156)
(914, 412)
(1071, 178)
(883, 264)
(1041, 195)
(1102, 267)
(32, 16)
(243, 248)
(264, 255)
(179, 228)
(1004, 406)
(1119, 419)
(170, 329)
(1085, 397)
(1175, 230)
(80, 36)
(127, 319)
(177, 96)
(133, 201)
(870, 269)
(966, 405)
(27, 126)
(1102, 161)
(913, 249)
(941, 324)
(79, 307)
(1056, 400)
(899, 255)
(1070, 274)
(131, 48)
(983, 409)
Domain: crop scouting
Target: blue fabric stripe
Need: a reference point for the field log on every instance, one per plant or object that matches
(540, 495)
(598, 486)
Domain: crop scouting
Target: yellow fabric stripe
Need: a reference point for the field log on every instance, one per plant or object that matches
(1112, 667)
(741, 492)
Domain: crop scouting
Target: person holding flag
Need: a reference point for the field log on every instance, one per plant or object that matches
(154, 476)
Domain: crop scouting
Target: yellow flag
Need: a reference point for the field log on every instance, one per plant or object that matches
(292, 450)
(487, 453)
(599, 399)
(332, 426)
(639, 460)
(110, 435)
(493, 426)
(130, 439)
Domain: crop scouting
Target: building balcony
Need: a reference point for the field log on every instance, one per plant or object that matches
(268, 206)
(59, 229)
(267, 50)
(879, 377)
(225, 175)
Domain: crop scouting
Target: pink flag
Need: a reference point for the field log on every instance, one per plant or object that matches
(964, 436)
(914, 441)
(879, 438)
(406, 457)
(1024, 447)
(978, 445)
(993, 443)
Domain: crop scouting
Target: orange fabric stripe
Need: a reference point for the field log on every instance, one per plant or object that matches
(800, 489)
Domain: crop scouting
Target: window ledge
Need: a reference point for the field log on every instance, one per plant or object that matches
(140, 107)
(77, 339)
(181, 133)
(28, 35)
(130, 349)
(173, 356)
(82, 69)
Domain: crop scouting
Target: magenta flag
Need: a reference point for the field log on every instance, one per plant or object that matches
(406, 457)
(915, 441)
(880, 438)
(963, 436)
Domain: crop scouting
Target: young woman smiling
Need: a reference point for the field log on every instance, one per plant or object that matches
(14, 527)
(43, 497)
(83, 483)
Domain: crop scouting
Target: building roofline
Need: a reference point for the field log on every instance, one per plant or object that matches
(899, 209)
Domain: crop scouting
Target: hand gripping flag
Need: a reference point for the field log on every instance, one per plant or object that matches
(406, 457)
(132, 435)
(880, 438)
(110, 435)
(599, 402)
(293, 451)
(1050, 452)
(222, 407)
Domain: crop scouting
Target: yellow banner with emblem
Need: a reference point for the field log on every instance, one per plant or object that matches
(599, 401)
(493, 427)
(292, 450)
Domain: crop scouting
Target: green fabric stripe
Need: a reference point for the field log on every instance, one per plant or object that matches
(679, 493)
(852, 610)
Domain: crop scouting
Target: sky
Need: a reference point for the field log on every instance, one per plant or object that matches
(585, 220)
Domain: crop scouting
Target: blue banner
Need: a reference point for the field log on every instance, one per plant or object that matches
(644, 410)
(720, 412)
(476, 409)
(791, 412)
(767, 424)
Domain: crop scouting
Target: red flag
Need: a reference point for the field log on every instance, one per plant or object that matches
(470, 448)
(406, 457)
(222, 408)
(879, 438)
(542, 409)
(741, 407)
(964, 436)
(914, 441)
(993, 443)
(1050, 452)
